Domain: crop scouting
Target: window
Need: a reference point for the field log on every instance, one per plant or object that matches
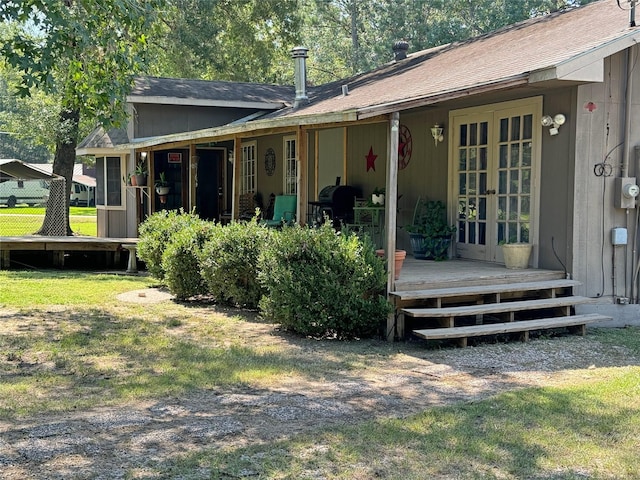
(290, 166)
(248, 180)
(109, 181)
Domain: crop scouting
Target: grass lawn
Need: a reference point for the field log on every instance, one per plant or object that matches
(25, 220)
(67, 344)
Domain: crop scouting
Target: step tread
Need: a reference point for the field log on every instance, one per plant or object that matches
(508, 327)
(495, 307)
(483, 289)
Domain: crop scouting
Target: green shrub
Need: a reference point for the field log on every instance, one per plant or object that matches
(321, 283)
(155, 235)
(229, 263)
(180, 260)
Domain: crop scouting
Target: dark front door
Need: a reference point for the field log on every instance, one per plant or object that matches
(209, 184)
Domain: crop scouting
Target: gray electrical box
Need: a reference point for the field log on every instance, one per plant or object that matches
(619, 236)
(626, 192)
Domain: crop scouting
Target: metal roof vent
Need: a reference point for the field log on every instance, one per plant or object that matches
(400, 49)
(299, 55)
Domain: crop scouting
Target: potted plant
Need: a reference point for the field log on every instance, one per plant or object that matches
(139, 176)
(377, 197)
(162, 187)
(516, 255)
(430, 234)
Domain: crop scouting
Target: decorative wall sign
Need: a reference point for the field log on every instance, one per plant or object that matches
(174, 158)
(404, 147)
(270, 161)
(371, 160)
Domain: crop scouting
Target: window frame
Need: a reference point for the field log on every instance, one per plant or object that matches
(290, 164)
(248, 167)
(107, 182)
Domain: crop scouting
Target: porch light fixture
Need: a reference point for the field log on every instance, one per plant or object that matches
(437, 133)
(554, 123)
(143, 156)
(231, 157)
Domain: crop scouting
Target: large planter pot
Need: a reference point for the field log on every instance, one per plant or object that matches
(516, 255)
(398, 260)
(429, 248)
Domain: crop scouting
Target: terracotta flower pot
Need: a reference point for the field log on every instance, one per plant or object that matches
(399, 260)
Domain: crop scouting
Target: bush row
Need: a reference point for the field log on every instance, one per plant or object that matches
(312, 281)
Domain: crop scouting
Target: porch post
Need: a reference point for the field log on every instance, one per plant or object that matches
(237, 175)
(390, 216)
(302, 186)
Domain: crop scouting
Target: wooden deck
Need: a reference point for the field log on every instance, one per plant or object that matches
(59, 245)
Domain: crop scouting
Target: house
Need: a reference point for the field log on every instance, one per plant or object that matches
(199, 176)
(529, 134)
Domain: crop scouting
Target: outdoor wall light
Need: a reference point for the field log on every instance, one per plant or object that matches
(554, 123)
(437, 133)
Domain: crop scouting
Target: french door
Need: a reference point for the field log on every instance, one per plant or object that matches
(495, 153)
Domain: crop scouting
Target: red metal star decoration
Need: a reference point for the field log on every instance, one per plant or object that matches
(371, 160)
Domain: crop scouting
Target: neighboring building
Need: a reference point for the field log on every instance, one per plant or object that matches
(83, 188)
(530, 133)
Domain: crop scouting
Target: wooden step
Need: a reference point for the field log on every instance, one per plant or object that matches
(439, 293)
(510, 327)
(465, 310)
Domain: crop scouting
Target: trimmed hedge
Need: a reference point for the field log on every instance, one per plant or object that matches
(155, 236)
(321, 283)
(229, 263)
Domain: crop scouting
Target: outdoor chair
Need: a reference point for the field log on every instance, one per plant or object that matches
(284, 211)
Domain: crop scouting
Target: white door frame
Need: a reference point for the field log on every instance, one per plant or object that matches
(493, 112)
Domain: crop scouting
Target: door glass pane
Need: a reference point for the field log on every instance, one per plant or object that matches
(502, 208)
(484, 133)
(526, 154)
(513, 183)
(472, 232)
(515, 128)
(473, 189)
(462, 188)
(462, 228)
(527, 127)
(525, 205)
(482, 188)
(472, 213)
(525, 186)
(515, 155)
(482, 208)
(524, 233)
(462, 209)
(504, 130)
(483, 158)
(502, 182)
(513, 207)
(501, 233)
(503, 156)
(482, 233)
(463, 135)
(472, 158)
(463, 160)
(473, 134)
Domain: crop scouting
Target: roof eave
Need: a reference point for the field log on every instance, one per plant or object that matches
(587, 66)
(96, 152)
(231, 130)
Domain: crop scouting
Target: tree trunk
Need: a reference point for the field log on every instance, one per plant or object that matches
(56, 223)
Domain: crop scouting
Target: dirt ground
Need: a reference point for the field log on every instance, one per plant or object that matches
(132, 440)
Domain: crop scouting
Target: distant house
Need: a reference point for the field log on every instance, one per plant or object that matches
(84, 183)
(528, 134)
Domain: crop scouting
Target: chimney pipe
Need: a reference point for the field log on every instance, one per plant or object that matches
(299, 55)
(400, 49)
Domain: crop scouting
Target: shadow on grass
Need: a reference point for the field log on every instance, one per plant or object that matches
(534, 433)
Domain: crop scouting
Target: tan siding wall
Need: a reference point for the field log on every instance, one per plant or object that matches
(330, 157)
(599, 139)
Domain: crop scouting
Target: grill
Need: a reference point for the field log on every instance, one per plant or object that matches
(337, 201)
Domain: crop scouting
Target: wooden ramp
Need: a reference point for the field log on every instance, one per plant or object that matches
(461, 312)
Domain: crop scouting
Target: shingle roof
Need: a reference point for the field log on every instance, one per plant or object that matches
(238, 92)
(100, 138)
(510, 53)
